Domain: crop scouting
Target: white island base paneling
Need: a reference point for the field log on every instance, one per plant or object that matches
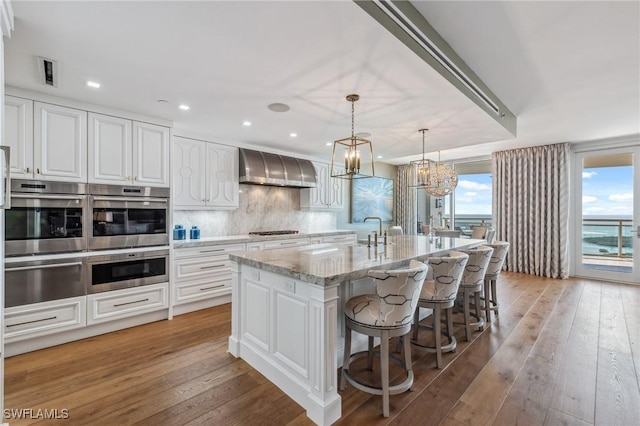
(291, 332)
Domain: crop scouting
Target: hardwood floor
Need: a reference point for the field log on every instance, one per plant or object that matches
(560, 352)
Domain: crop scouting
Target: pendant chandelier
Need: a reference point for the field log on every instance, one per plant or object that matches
(352, 155)
(435, 178)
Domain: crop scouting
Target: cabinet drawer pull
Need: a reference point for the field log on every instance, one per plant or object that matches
(31, 322)
(290, 242)
(130, 303)
(212, 266)
(212, 287)
(34, 267)
(210, 251)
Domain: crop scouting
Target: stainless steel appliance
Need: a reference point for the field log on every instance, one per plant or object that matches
(123, 270)
(124, 217)
(45, 217)
(38, 280)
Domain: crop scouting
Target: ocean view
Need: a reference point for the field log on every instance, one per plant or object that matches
(600, 233)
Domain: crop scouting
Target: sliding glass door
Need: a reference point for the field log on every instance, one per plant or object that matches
(607, 225)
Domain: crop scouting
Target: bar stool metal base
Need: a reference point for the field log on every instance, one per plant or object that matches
(438, 347)
(385, 334)
(490, 295)
(467, 291)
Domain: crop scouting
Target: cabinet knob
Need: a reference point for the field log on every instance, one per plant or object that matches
(135, 178)
(128, 177)
(27, 170)
(38, 170)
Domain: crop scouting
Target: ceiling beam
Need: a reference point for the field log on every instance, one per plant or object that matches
(404, 21)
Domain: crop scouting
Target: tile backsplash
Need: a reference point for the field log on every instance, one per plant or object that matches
(262, 208)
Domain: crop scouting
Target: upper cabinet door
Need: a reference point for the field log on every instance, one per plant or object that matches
(110, 150)
(60, 143)
(222, 180)
(327, 195)
(150, 154)
(189, 173)
(18, 135)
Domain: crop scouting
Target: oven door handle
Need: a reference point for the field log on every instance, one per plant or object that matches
(47, 197)
(135, 200)
(53, 265)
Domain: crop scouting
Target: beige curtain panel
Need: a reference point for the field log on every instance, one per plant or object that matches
(530, 208)
(406, 201)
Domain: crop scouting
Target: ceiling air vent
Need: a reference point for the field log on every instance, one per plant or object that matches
(48, 71)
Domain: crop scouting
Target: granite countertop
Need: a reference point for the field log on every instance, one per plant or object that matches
(210, 241)
(327, 264)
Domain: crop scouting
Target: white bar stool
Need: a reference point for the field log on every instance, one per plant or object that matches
(439, 293)
(500, 250)
(386, 314)
(472, 285)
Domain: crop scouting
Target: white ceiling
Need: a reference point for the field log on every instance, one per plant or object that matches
(570, 71)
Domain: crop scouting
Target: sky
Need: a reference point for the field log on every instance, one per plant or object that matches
(606, 191)
(473, 194)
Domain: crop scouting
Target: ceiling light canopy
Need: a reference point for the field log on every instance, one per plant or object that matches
(435, 178)
(352, 152)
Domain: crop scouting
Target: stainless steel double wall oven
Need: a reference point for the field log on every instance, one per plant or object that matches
(77, 239)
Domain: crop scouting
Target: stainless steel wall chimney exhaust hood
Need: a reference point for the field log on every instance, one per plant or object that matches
(263, 168)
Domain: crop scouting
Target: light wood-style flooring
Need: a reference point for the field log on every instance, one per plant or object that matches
(560, 352)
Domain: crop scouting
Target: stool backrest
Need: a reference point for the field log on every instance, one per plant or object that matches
(395, 230)
(478, 232)
(446, 273)
(477, 264)
(500, 249)
(490, 235)
(399, 291)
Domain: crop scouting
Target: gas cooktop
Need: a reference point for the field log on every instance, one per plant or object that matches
(285, 232)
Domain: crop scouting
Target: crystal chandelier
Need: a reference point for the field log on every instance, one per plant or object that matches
(352, 154)
(435, 178)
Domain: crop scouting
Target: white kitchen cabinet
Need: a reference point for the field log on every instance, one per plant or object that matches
(47, 141)
(202, 273)
(59, 143)
(346, 239)
(276, 244)
(45, 318)
(18, 135)
(127, 152)
(205, 175)
(151, 154)
(327, 195)
(118, 304)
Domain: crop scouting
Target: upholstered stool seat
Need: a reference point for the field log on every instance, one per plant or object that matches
(500, 250)
(472, 284)
(386, 314)
(439, 293)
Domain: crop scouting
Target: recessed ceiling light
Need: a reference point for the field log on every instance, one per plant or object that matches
(328, 144)
(379, 156)
(293, 135)
(93, 84)
(363, 134)
(278, 107)
(246, 123)
(163, 101)
(184, 107)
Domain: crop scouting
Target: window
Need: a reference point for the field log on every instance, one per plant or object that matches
(472, 201)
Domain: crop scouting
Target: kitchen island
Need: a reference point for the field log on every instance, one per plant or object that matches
(287, 310)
